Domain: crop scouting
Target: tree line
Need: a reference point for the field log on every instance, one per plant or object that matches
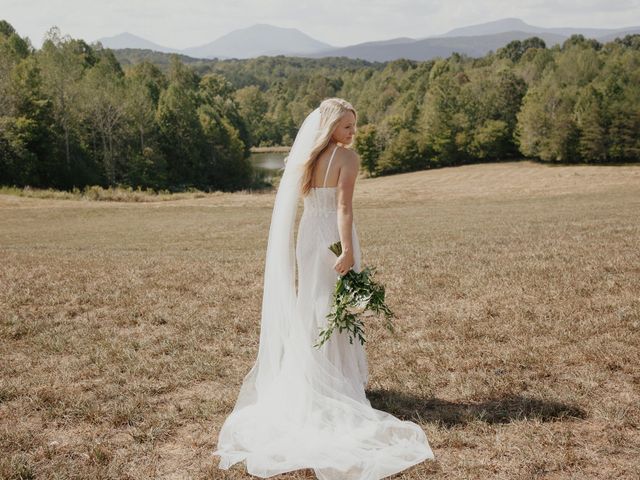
(73, 114)
(71, 117)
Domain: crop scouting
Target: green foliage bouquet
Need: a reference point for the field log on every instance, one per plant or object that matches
(355, 294)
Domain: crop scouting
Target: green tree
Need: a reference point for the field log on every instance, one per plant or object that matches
(150, 77)
(579, 40)
(226, 165)
(440, 122)
(369, 146)
(102, 91)
(180, 133)
(592, 125)
(254, 107)
(547, 128)
(491, 140)
(27, 149)
(515, 49)
(402, 155)
(29, 142)
(624, 131)
(63, 62)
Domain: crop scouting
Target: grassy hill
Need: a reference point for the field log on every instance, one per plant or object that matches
(127, 327)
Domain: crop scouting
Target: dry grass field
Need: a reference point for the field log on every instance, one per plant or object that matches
(126, 327)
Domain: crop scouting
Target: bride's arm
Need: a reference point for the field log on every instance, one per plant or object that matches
(346, 184)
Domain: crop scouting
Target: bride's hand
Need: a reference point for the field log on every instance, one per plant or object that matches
(344, 263)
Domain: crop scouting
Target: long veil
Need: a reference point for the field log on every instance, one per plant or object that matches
(279, 297)
(295, 409)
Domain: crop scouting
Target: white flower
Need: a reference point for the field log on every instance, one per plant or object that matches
(359, 306)
(356, 309)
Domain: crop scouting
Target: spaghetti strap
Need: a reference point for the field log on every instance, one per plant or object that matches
(329, 166)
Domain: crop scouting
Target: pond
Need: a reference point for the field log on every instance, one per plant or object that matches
(268, 161)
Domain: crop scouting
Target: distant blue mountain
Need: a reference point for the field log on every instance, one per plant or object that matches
(259, 39)
(128, 40)
(473, 40)
(516, 25)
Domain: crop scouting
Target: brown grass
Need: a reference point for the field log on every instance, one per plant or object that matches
(126, 328)
(110, 194)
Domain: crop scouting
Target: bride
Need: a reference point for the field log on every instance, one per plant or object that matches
(300, 406)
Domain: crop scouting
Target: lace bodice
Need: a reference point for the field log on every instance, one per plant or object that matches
(320, 201)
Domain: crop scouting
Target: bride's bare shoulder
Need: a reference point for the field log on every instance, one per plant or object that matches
(349, 157)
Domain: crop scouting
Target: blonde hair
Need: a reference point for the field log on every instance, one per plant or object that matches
(331, 112)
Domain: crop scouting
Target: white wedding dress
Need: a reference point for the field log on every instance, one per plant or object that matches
(315, 414)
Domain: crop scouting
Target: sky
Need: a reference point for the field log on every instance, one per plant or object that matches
(188, 23)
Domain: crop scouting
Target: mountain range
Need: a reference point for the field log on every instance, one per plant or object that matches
(473, 40)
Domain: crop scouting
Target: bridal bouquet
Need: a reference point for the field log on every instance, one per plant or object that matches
(354, 294)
